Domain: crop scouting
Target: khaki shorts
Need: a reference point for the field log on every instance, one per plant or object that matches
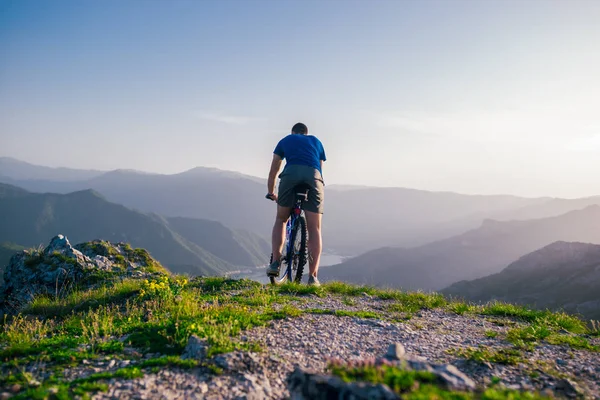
(294, 175)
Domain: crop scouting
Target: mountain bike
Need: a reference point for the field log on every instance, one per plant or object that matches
(295, 250)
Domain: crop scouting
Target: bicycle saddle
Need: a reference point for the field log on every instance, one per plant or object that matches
(302, 191)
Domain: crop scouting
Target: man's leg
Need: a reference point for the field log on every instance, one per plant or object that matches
(278, 236)
(315, 242)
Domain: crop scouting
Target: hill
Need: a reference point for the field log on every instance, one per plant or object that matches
(357, 218)
(396, 216)
(16, 170)
(561, 275)
(143, 333)
(30, 218)
(474, 254)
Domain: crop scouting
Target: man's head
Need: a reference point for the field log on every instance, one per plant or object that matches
(299, 129)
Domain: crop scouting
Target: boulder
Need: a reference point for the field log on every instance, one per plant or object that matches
(60, 267)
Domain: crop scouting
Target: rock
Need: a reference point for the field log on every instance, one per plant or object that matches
(568, 388)
(60, 266)
(561, 361)
(395, 351)
(16, 388)
(306, 385)
(454, 379)
(203, 387)
(195, 348)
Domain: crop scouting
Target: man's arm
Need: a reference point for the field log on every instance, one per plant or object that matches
(275, 166)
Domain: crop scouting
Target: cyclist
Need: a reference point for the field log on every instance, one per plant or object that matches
(304, 155)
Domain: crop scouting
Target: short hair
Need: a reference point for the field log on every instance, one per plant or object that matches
(300, 128)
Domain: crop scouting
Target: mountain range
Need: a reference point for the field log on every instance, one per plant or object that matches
(357, 218)
(184, 245)
(561, 275)
(471, 255)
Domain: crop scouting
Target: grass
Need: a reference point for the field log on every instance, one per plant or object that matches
(415, 385)
(491, 334)
(484, 354)
(111, 293)
(461, 308)
(344, 313)
(170, 361)
(159, 314)
(574, 342)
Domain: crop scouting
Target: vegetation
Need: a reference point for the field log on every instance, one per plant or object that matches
(482, 355)
(126, 318)
(418, 384)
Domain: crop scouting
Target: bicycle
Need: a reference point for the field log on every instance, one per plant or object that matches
(295, 250)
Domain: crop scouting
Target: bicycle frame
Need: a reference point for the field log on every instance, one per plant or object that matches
(289, 248)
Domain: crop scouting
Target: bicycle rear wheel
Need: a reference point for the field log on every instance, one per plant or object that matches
(293, 263)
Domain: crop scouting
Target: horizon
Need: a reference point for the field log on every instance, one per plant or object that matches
(336, 185)
(496, 97)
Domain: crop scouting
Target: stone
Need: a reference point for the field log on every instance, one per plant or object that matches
(196, 348)
(16, 388)
(307, 385)
(454, 379)
(60, 266)
(567, 388)
(395, 351)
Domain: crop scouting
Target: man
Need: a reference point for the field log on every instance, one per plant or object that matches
(304, 155)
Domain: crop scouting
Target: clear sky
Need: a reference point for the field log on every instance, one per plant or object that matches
(470, 96)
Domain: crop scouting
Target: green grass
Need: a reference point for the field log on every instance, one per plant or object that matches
(344, 313)
(525, 337)
(418, 385)
(123, 373)
(461, 308)
(491, 334)
(483, 354)
(548, 318)
(169, 361)
(159, 314)
(575, 342)
(77, 299)
(346, 289)
(594, 328)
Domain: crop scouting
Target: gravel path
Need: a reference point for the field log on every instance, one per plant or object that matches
(309, 341)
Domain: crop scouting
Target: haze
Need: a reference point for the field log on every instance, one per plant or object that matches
(474, 97)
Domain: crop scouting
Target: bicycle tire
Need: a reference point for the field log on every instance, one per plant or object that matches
(297, 258)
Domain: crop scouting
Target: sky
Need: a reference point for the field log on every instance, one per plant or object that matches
(479, 97)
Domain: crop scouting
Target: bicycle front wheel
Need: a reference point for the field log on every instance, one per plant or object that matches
(294, 260)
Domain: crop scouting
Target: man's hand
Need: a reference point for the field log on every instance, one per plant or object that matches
(275, 166)
(271, 196)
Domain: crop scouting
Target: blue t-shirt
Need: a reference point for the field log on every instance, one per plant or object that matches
(301, 150)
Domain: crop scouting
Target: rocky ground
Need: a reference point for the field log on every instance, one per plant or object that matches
(108, 334)
(311, 341)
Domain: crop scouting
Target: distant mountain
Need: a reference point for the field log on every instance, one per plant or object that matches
(7, 250)
(474, 254)
(561, 275)
(30, 219)
(357, 218)
(19, 170)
